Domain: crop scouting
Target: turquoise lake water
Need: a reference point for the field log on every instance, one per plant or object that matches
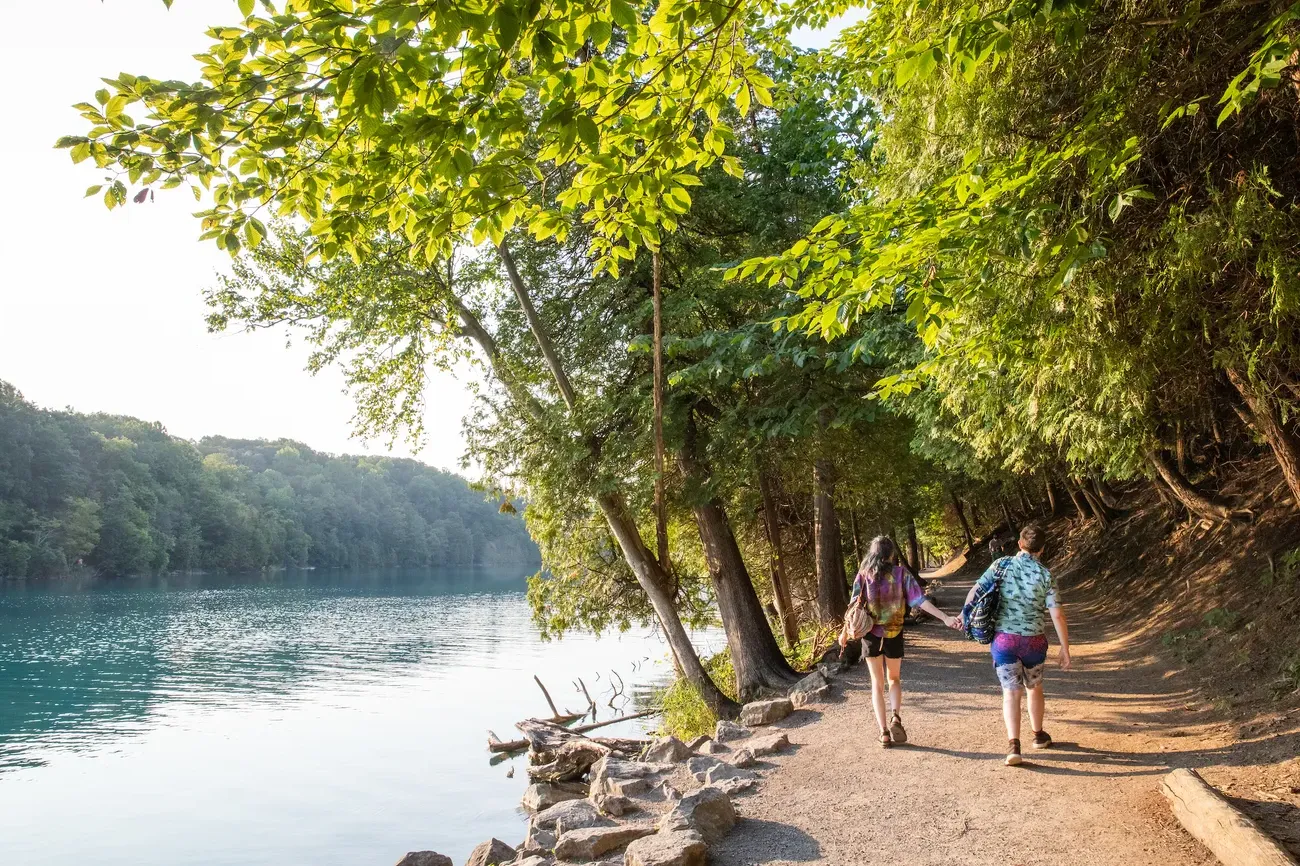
(322, 718)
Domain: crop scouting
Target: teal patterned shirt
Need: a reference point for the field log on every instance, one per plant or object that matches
(1028, 590)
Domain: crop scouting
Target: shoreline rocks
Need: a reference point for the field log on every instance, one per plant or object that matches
(758, 713)
(425, 858)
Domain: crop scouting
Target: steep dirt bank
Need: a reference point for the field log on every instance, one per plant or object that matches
(1137, 705)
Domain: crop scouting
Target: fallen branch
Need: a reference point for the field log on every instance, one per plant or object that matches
(555, 714)
(519, 745)
(1218, 825)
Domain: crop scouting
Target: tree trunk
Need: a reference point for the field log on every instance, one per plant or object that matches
(857, 539)
(1193, 500)
(1180, 448)
(1264, 417)
(661, 505)
(1052, 509)
(961, 515)
(1006, 514)
(832, 589)
(913, 547)
(780, 583)
(656, 582)
(1080, 504)
(540, 334)
(1098, 507)
(755, 655)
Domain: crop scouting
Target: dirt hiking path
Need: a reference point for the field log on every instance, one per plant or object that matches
(946, 798)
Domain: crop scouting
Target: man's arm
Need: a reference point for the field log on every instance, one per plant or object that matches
(1062, 634)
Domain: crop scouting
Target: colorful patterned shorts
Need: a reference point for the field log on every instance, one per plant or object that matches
(1019, 659)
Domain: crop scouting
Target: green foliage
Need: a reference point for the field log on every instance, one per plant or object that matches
(1222, 619)
(121, 496)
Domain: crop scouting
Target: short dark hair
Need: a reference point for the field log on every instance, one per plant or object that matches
(1033, 538)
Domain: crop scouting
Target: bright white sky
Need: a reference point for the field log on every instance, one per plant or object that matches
(103, 311)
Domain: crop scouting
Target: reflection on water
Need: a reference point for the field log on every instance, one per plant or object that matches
(322, 717)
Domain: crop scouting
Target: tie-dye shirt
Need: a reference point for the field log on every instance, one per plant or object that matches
(1028, 590)
(889, 598)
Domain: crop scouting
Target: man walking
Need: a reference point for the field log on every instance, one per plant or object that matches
(1028, 592)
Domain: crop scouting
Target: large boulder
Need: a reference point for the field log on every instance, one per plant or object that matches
(765, 712)
(612, 804)
(573, 813)
(540, 796)
(708, 812)
(810, 690)
(667, 848)
(667, 750)
(539, 841)
(612, 777)
(727, 732)
(592, 842)
(770, 744)
(735, 786)
(425, 858)
(491, 853)
(695, 744)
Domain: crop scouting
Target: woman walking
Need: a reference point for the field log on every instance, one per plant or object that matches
(887, 590)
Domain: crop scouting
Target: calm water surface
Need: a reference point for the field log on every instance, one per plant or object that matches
(323, 718)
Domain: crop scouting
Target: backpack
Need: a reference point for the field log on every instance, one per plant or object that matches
(858, 619)
(979, 617)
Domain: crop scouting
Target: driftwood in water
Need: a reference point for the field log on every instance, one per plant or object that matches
(570, 761)
(559, 735)
(1218, 825)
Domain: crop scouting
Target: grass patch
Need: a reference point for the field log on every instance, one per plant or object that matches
(686, 716)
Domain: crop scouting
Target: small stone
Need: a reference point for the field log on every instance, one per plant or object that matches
(713, 747)
(734, 786)
(764, 746)
(540, 796)
(424, 858)
(699, 766)
(726, 771)
(592, 842)
(765, 712)
(742, 758)
(669, 792)
(611, 804)
(695, 744)
(667, 750)
(534, 860)
(671, 848)
(493, 852)
(728, 731)
(708, 812)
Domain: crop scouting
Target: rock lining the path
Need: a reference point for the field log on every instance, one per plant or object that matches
(708, 812)
(668, 848)
(726, 732)
(592, 842)
(667, 750)
(767, 712)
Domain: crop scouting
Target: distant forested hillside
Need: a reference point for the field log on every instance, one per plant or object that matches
(123, 497)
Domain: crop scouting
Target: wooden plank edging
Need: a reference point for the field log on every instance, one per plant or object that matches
(1218, 825)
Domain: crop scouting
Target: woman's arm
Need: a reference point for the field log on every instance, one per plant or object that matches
(930, 608)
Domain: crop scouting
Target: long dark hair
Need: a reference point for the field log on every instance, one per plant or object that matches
(881, 558)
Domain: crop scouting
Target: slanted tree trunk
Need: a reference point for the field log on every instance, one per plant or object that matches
(1052, 508)
(832, 588)
(1006, 515)
(1180, 449)
(780, 583)
(651, 577)
(1098, 507)
(913, 547)
(755, 655)
(1193, 500)
(657, 586)
(961, 516)
(661, 504)
(1264, 418)
(1080, 504)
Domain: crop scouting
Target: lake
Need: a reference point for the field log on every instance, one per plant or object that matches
(317, 717)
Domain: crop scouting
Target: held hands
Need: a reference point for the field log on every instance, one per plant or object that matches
(953, 622)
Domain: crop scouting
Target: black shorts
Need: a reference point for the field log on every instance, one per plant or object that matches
(890, 647)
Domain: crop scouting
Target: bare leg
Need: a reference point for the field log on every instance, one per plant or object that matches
(1011, 712)
(877, 667)
(1036, 703)
(894, 667)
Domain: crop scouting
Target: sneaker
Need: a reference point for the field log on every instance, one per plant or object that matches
(1013, 753)
(1042, 740)
(897, 731)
